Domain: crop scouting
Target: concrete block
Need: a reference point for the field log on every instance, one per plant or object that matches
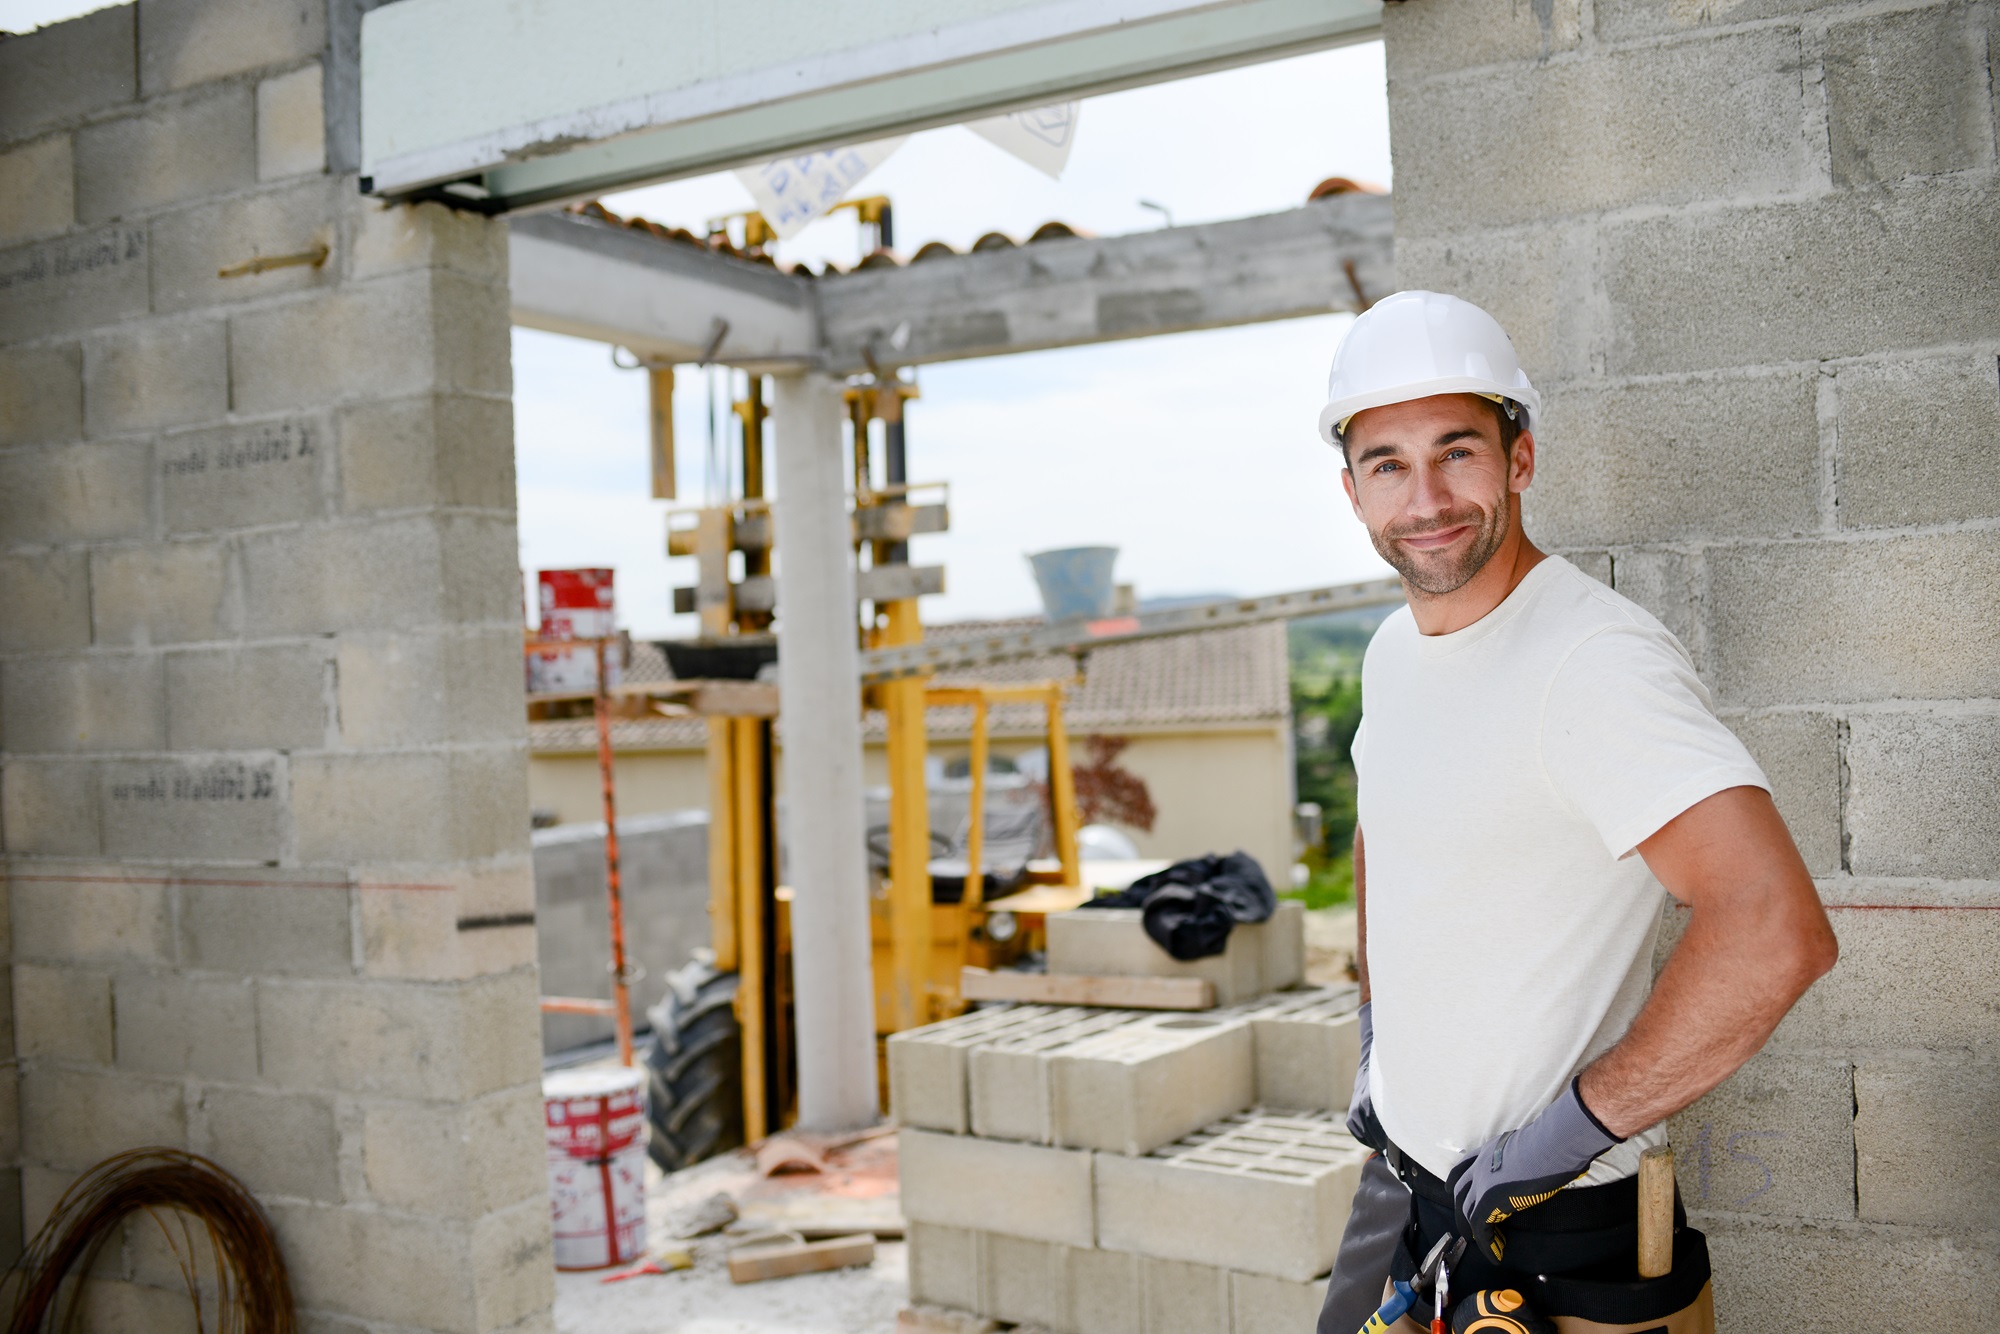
(1182, 1298)
(75, 493)
(944, 1265)
(172, 1024)
(394, 573)
(37, 190)
(227, 808)
(1259, 1304)
(45, 602)
(1667, 584)
(267, 921)
(1691, 291)
(41, 401)
(388, 338)
(191, 245)
(1285, 946)
(1285, 1182)
(1535, 282)
(168, 153)
(1946, 411)
(409, 689)
(94, 702)
(1776, 1138)
(1656, 125)
(73, 283)
(291, 124)
(395, 1268)
(1308, 1046)
(1771, 1273)
(1926, 1146)
(1800, 754)
(402, 1039)
(248, 698)
(1008, 1075)
(67, 70)
(75, 1119)
(1021, 1281)
(413, 931)
(90, 911)
(285, 1144)
(185, 42)
(1670, 461)
(1113, 942)
(433, 450)
(1462, 34)
(154, 375)
(929, 1070)
(397, 808)
(1920, 794)
(1906, 95)
(1023, 1190)
(64, 1013)
(167, 593)
(513, 1268)
(1799, 623)
(1140, 1085)
(1906, 978)
(49, 808)
(119, 1304)
(1624, 19)
(1104, 1292)
(394, 238)
(455, 1160)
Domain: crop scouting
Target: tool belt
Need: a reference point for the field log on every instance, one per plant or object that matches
(1574, 1257)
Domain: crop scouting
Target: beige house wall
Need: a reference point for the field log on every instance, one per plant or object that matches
(1216, 791)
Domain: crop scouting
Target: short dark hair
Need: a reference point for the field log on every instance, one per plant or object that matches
(1510, 429)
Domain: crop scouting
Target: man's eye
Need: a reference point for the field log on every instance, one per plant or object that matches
(1381, 468)
(1459, 454)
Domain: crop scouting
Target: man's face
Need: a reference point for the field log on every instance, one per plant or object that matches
(1435, 489)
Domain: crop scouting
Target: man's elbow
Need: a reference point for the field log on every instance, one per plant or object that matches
(1815, 951)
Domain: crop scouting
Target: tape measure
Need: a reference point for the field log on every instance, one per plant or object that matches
(1498, 1311)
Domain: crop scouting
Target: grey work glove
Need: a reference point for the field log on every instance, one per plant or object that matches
(1361, 1120)
(1524, 1167)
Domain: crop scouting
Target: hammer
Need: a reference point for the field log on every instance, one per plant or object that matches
(1656, 1211)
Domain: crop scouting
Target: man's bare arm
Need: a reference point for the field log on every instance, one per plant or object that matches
(1756, 938)
(1360, 916)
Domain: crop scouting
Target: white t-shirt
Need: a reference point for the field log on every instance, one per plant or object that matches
(1508, 771)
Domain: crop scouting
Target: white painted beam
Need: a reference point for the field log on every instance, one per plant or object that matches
(544, 100)
(589, 279)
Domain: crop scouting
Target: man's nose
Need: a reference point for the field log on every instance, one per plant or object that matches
(1428, 493)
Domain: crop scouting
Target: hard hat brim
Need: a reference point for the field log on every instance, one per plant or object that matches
(1341, 409)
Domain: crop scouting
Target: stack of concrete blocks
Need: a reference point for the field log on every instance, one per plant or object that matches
(663, 871)
(264, 777)
(1099, 1171)
(1750, 254)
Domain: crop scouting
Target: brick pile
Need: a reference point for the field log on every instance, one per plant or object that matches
(1096, 1171)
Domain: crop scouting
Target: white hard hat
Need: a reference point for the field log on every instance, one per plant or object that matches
(1415, 344)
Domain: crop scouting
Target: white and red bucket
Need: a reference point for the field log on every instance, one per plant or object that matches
(596, 1125)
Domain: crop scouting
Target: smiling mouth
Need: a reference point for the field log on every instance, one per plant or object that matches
(1432, 541)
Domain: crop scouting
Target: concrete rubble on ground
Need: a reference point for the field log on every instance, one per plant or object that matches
(1095, 1171)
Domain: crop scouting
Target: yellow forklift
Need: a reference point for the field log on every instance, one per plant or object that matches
(721, 1058)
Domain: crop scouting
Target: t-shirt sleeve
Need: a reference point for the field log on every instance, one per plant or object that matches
(1629, 738)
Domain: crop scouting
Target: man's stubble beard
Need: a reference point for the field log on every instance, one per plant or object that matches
(1433, 580)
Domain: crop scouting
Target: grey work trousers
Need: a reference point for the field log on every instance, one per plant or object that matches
(1361, 1269)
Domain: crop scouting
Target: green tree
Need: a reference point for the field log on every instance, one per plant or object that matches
(1325, 657)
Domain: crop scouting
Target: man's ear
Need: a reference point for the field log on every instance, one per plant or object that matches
(1347, 485)
(1521, 463)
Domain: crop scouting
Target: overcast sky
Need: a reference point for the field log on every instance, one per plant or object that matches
(1195, 454)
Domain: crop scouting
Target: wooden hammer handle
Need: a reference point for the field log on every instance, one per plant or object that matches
(1656, 1211)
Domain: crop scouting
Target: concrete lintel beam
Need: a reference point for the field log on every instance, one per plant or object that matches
(1062, 293)
(590, 279)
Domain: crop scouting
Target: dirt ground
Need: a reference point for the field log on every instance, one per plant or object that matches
(1330, 943)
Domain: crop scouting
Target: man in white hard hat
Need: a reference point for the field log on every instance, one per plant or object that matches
(1539, 768)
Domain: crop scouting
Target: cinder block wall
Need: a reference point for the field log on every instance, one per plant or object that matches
(1751, 254)
(264, 771)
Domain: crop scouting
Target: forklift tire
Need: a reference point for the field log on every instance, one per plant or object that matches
(694, 1067)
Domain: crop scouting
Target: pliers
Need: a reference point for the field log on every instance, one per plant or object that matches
(1432, 1275)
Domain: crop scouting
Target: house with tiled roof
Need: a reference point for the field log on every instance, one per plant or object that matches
(1206, 718)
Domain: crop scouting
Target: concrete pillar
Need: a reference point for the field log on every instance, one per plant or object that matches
(818, 666)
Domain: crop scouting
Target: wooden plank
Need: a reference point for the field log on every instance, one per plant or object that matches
(754, 1264)
(1122, 993)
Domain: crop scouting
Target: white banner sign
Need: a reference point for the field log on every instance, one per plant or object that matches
(1041, 138)
(794, 191)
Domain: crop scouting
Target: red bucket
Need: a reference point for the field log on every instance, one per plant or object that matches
(596, 1125)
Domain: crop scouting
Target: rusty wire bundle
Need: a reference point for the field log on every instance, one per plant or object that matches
(179, 1192)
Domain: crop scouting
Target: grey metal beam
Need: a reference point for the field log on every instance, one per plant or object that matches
(1062, 293)
(587, 278)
